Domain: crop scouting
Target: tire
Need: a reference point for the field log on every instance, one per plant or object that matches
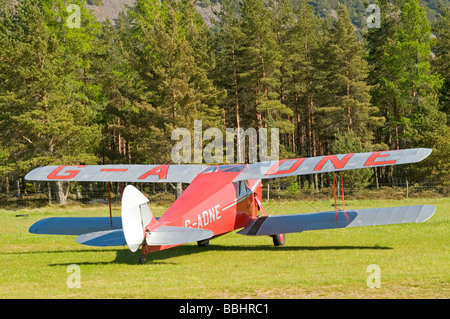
(279, 239)
(203, 243)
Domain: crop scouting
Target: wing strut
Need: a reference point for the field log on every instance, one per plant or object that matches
(343, 198)
(109, 200)
(258, 201)
(334, 190)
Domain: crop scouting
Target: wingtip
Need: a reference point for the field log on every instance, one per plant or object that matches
(423, 153)
(36, 227)
(29, 176)
(426, 213)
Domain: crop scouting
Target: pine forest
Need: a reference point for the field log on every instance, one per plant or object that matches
(77, 91)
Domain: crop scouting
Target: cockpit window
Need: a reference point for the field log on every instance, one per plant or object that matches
(210, 169)
(232, 168)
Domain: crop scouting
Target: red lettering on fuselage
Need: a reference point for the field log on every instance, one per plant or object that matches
(205, 218)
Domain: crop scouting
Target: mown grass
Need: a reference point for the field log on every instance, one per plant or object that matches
(413, 259)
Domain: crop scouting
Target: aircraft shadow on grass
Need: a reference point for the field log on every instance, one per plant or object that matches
(188, 250)
(124, 256)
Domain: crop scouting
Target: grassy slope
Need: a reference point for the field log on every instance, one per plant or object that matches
(413, 258)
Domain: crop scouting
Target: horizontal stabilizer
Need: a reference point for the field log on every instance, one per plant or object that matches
(103, 238)
(74, 225)
(282, 224)
(169, 235)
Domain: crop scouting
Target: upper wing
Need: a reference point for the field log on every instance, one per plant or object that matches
(117, 173)
(296, 223)
(261, 170)
(331, 163)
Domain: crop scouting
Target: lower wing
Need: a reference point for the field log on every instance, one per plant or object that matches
(97, 231)
(164, 235)
(74, 225)
(282, 224)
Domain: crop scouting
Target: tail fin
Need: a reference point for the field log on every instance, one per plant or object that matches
(136, 215)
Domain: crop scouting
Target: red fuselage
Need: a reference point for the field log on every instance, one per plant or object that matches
(214, 202)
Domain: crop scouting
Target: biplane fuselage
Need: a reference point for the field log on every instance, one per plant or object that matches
(213, 202)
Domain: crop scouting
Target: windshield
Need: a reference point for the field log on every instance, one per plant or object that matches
(225, 168)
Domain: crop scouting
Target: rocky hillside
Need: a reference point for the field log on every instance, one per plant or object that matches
(111, 8)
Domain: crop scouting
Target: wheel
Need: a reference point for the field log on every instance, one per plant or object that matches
(279, 239)
(203, 243)
(142, 260)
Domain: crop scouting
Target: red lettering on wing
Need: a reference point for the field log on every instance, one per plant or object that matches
(371, 160)
(160, 170)
(294, 166)
(114, 170)
(336, 162)
(72, 172)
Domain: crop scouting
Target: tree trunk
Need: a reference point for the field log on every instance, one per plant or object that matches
(61, 196)
(179, 189)
(236, 103)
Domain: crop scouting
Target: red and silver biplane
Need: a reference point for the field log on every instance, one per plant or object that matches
(219, 199)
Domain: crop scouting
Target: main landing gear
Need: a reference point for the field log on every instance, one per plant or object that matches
(203, 243)
(279, 239)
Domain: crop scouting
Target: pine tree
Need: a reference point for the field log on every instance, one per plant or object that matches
(46, 115)
(405, 89)
(162, 58)
(345, 103)
(120, 88)
(300, 48)
(440, 170)
(176, 88)
(378, 42)
(441, 63)
(228, 43)
(260, 73)
(200, 39)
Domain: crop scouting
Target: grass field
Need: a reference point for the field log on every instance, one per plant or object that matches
(413, 260)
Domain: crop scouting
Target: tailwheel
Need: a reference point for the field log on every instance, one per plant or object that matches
(279, 239)
(142, 258)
